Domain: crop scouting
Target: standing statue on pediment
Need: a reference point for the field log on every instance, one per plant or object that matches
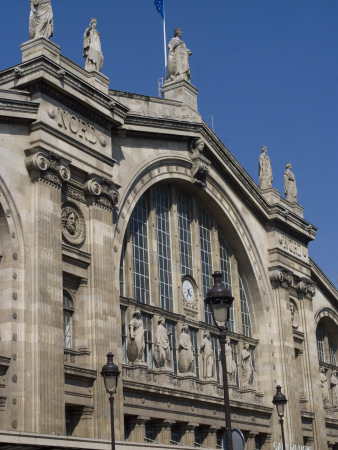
(136, 345)
(41, 19)
(264, 169)
(185, 351)
(208, 357)
(290, 187)
(162, 345)
(178, 58)
(230, 362)
(247, 369)
(334, 388)
(92, 48)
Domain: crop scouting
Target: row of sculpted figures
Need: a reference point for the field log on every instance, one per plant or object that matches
(186, 352)
(41, 24)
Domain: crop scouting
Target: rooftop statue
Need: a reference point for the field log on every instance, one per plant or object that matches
(264, 169)
(92, 48)
(290, 187)
(41, 19)
(178, 59)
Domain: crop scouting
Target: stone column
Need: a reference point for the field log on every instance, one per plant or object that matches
(211, 439)
(83, 317)
(164, 436)
(188, 435)
(44, 373)
(138, 429)
(250, 443)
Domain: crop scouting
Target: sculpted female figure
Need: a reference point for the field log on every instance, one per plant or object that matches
(290, 187)
(264, 169)
(41, 19)
(178, 58)
(208, 356)
(162, 347)
(334, 387)
(231, 364)
(136, 344)
(246, 366)
(92, 48)
(185, 351)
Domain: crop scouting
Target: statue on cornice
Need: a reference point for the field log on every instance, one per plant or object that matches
(208, 357)
(92, 48)
(264, 169)
(324, 386)
(178, 58)
(290, 187)
(162, 345)
(247, 369)
(41, 19)
(136, 343)
(185, 351)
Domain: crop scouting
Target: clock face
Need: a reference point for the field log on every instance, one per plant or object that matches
(188, 291)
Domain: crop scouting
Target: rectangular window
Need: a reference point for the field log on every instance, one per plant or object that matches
(171, 329)
(320, 334)
(206, 259)
(332, 355)
(162, 207)
(148, 339)
(67, 328)
(226, 271)
(245, 312)
(195, 347)
(184, 232)
(140, 250)
(124, 335)
(122, 270)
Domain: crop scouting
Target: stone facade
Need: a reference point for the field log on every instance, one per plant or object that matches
(108, 206)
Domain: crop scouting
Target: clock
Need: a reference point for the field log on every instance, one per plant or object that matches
(188, 291)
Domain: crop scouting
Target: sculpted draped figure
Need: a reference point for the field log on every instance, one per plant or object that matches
(136, 344)
(334, 387)
(162, 345)
(41, 19)
(290, 187)
(247, 368)
(178, 58)
(92, 48)
(264, 169)
(208, 356)
(185, 351)
(324, 385)
(231, 363)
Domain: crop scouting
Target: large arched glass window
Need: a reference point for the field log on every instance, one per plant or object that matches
(327, 341)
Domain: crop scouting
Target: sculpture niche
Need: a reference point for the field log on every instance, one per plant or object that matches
(185, 352)
(178, 58)
(135, 349)
(41, 19)
(162, 345)
(208, 357)
(264, 169)
(92, 48)
(290, 187)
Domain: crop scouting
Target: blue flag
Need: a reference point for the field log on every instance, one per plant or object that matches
(159, 7)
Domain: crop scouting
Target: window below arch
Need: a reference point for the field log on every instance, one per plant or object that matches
(68, 310)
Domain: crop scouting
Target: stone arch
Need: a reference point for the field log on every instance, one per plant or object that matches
(326, 312)
(215, 197)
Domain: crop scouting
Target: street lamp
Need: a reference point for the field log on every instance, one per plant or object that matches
(110, 374)
(220, 300)
(279, 400)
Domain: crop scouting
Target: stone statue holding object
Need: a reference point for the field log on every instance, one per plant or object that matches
(264, 169)
(162, 345)
(136, 345)
(92, 48)
(290, 187)
(247, 369)
(208, 357)
(178, 58)
(230, 362)
(185, 351)
(41, 19)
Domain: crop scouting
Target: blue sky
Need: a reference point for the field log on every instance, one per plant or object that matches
(266, 70)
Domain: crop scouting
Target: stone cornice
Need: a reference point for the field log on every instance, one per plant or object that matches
(32, 74)
(17, 107)
(323, 281)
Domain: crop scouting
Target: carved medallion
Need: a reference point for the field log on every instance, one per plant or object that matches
(73, 224)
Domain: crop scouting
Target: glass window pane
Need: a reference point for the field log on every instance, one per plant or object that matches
(245, 312)
(184, 227)
(206, 259)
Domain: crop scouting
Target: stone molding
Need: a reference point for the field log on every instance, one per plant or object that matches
(47, 166)
(282, 277)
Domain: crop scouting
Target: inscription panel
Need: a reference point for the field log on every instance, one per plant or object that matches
(292, 247)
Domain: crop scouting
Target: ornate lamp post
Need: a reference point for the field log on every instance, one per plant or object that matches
(110, 374)
(280, 400)
(220, 300)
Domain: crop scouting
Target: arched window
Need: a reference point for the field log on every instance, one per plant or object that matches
(68, 309)
(327, 341)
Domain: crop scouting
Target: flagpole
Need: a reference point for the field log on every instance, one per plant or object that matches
(165, 45)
